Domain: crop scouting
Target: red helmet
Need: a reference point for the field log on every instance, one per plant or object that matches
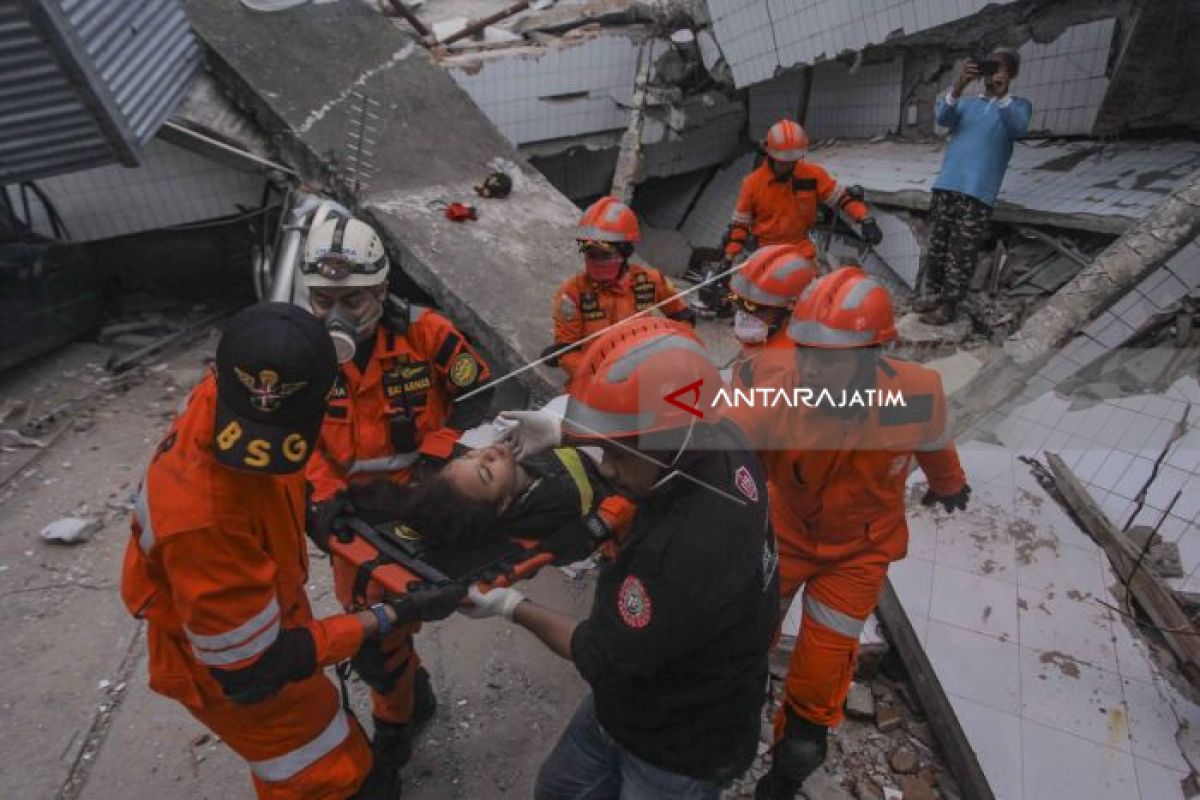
(844, 309)
(609, 220)
(786, 141)
(622, 386)
(774, 276)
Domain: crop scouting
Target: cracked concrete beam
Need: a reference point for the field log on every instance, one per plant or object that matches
(493, 276)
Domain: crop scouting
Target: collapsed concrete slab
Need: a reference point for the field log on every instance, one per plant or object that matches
(432, 145)
(1090, 186)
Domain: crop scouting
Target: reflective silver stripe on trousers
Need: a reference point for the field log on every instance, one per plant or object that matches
(386, 464)
(141, 512)
(833, 619)
(742, 219)
(281, 768)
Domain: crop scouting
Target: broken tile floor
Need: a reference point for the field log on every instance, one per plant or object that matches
(1016, 607)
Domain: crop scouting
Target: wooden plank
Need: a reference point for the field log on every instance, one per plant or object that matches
(956, 747)
(1151, 594)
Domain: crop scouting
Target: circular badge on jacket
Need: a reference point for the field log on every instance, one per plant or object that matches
(633, 603)
(464, 370)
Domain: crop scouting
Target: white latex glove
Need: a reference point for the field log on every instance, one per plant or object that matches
(495, 603)
(530, 432)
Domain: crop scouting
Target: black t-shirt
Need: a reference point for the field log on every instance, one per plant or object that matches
(676, 645)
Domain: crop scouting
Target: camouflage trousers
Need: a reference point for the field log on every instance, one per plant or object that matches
(958, 225)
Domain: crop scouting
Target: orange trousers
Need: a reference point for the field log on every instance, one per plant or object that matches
(300, 743)
(397, 705)
(839, 595)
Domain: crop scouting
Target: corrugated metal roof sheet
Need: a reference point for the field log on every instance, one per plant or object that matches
(87, 82)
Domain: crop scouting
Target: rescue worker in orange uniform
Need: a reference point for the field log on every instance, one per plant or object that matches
(778, 201)
(614, 285)
(837, 472)
(217, 565)
(392, 409)
(763, 292)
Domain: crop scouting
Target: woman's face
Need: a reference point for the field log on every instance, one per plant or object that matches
(489, 475)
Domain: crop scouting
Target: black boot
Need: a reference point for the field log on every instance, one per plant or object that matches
(793, 758)
(392, 744)
(424, 700)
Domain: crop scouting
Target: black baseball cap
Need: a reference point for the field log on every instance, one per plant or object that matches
(275, 369)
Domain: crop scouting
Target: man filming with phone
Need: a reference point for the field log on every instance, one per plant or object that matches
(982, 130)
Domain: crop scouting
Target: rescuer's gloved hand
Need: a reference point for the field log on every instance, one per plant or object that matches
(495, 603)
(530, 432)
(949, 501)
(870, 231)
(321, 518)
(428, 604)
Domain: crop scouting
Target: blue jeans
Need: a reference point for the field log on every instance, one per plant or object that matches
(588, 764)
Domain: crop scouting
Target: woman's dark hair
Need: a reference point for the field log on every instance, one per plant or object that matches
(433, 508)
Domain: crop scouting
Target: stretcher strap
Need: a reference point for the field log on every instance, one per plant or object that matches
(362, 577)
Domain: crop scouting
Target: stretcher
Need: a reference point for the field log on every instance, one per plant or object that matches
(398, 559)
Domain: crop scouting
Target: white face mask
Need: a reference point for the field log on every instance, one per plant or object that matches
(749, 329)
(348, 329)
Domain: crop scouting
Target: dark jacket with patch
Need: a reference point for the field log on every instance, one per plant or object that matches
(675, 648)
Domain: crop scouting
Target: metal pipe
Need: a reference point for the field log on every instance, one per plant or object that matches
(478, 25)
(411, 18)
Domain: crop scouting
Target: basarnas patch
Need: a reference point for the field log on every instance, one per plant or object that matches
(464, 370)
(633, 603)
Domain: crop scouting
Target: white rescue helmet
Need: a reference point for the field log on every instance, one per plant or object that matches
(344, 252)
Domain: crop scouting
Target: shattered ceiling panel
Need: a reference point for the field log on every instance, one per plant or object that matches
(759, 36)
(1089, 186)
(554, 93)
(664, 203)
(707, 222)
(858, 104)
(773, 100)
(1066, 79)
(172, 186)
(680, 139)
(900, 248)
(1159, 292)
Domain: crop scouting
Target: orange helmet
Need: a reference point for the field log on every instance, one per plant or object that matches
(774, 276)
(846, 308)
(609, 220)
(786, 141)
(640, 377)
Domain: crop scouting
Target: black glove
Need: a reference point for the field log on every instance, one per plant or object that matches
(322, 516)
(428, 603)
(869, 229)
(577, 539)
(687, 316)
(949, 501)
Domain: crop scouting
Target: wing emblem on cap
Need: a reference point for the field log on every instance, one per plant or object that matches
(266, 391)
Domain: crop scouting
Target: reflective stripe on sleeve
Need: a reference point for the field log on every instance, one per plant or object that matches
(385, 464)
(831, 618)
(141, 512)
(281, 768)
(245, 641)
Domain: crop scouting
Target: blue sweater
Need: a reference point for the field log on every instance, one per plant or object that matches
(981, 142)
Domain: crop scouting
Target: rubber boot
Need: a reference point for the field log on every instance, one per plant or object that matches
(392, 744)
(793, 758)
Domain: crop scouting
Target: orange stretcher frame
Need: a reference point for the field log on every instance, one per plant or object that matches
(395, 576)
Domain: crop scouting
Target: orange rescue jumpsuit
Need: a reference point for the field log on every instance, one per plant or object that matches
(217, 566)
(783, 210)
(837, 504)
(581, 307)
(412, 375)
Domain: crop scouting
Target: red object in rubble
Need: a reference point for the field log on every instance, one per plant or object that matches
(460, 212)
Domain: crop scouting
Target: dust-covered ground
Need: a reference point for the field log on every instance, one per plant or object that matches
(80, 720)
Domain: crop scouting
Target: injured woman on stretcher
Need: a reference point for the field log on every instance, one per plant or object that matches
(467, 515)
